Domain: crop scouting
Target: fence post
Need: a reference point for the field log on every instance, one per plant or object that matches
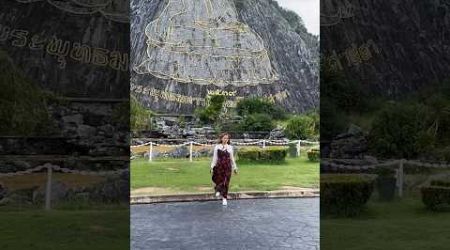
(298, 148)
(48, 190)
(264, 143)
(150, 152)
(190, 151)
(400, 178)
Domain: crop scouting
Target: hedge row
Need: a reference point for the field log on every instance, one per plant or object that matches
(314, 154)
(440, 183)
(344, 195)
(436, 195)
(259, 155)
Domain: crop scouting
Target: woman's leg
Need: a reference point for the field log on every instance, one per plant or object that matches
(226, 184)
(217, 178)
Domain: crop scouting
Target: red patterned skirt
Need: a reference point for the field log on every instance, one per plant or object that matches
(222, 172)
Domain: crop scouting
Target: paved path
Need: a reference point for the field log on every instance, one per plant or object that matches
(243, 224)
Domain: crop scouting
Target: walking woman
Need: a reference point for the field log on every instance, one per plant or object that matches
(222, 165)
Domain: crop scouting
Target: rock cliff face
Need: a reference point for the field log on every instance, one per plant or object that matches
(78, 51)
(392, 47)
(183, 50)
(73, 49)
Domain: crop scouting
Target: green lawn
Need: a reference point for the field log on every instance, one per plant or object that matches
(61, 229)
(387, 226)
(180, 175)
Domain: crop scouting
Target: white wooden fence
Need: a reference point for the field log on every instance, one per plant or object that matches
(399, 166)
(51, 168)
(263, 143)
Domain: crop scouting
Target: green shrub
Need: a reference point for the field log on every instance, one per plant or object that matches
(395, 131)
(313, 154)
(434, 197)
(385, 171)
(300, 127)
(139, 115)
(344, 195)
(261, 155)
(212, 111)
(253, 105)
(440, 183)
(442, 154)
(23, 103)
(257, 122)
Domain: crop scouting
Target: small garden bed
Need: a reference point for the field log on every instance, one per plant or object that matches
(344, 195)
(262, 155)
(437, 195)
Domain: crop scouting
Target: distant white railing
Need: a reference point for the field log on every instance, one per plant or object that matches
(50, 168)
(263, 143)
(399, 170)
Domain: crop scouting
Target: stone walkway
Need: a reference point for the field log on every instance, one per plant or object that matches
(243, 224)
(183, 197)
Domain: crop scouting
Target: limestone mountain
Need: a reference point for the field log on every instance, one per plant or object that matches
(183, 50)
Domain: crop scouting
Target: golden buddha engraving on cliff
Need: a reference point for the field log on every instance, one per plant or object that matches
(202, 42)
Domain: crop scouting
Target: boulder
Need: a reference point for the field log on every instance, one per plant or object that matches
(180, 152)
(59, 192)
(76, 119)
(86, 131)
(348, 147)
(277, 133)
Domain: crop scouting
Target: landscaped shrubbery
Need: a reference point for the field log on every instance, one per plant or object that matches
(344, 195)
(440, 183)
(257, 122)
(256, 105)
(313, 154)
(139, 115)
(211, 113)
(436, 195)
(300, 127)
(23, 103)
(262, 155)
(395, 131)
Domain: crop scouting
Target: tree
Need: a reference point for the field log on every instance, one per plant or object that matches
(211, 113)
(23, 109)
(395, 131)
(257, 122)
(300, 127)
(315, 116)
(139, 115)
(256, 105)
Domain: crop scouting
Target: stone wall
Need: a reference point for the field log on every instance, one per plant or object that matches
(89, 135)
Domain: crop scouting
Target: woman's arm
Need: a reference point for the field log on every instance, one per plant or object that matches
(233, 162)
(214, 160)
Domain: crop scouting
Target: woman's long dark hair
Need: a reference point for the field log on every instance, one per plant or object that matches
(222, 135)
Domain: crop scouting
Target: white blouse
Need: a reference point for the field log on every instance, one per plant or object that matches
(228, 148)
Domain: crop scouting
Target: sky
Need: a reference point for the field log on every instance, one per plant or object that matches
(308, 10)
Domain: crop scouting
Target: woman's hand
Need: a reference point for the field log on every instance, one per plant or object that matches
(210, 170)
(235, 171)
